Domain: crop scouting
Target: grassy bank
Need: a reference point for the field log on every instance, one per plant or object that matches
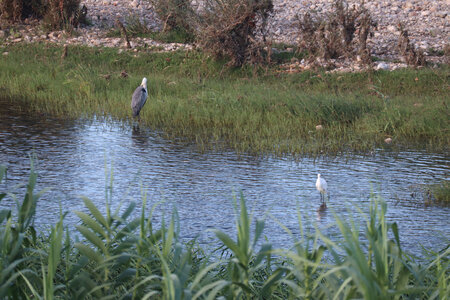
(111, 255)
(262, 111)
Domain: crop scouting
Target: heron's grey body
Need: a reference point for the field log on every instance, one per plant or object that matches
(139, 98)
(322, 187)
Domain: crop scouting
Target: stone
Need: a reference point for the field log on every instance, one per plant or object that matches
(392, 28)
(426, 22)
(381, 65)
(442, 14)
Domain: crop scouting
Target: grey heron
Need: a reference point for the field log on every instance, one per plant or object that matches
(321, 186)
(139, 97)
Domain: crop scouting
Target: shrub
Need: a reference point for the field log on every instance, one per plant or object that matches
(15, 10)
(60, 13)
(175, 14)
(230, 29)
(332, 35)
(410, 55)
(56, 14)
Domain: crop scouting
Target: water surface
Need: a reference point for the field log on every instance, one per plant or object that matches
(74, 158)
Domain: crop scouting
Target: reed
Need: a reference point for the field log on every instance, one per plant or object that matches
(113, 255)
(246, 109)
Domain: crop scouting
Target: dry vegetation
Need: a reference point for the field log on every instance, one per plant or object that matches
(230, 29)
(235, 29)
(175, 14)
(410, 55)
(56, 14)
(223, 28)
(341, 33)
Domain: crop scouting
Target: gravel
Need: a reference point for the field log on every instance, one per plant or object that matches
(427, 22)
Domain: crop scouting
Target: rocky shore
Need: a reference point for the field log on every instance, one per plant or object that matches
(427, 22)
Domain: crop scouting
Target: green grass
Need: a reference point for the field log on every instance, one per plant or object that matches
(173, 36)
(438, 193)
(256, 110)
(113, 255)
(136, 28)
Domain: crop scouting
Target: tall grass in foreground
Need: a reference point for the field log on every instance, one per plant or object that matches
(114, 256)
(261, 111)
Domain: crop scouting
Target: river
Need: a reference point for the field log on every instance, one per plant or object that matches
(74, 158)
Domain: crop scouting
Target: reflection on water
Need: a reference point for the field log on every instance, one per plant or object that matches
(75, 157)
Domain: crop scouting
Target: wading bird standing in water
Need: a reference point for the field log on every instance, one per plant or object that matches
(139, 97)
(321, 186)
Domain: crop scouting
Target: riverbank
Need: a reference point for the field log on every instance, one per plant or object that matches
(425, 21)
(247, 110)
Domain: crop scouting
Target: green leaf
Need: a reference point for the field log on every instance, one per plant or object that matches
(258, 231)
(4, 215)
(30, 286)
(94, 239)
(243, 227)
(127, 230)
(5, 273)
(26, 208)
(95, 212)
(89, 253)
(126, 275)
(216, 287)
(202, 273)
(168, 239)
(269, 284)
(91, 223)
(228, 242)
(129, 210)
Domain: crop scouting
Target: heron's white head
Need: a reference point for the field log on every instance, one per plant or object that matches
(318, 175)
(144, 82)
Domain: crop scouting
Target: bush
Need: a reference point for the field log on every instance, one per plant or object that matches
(332, 35)
(229, 29)
(57, 14)
(175, 14)
(410, 55)
(16, 10)
(60, 13)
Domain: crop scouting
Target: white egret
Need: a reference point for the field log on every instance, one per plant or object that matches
(322, 187)
(139, 97)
